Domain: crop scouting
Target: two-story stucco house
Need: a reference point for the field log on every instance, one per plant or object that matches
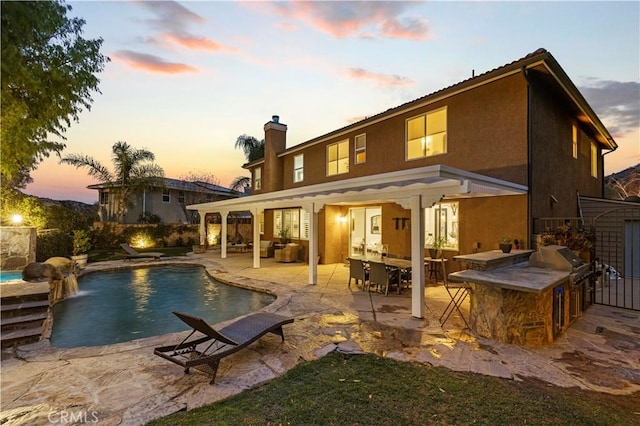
(468, 164)
(168, 202)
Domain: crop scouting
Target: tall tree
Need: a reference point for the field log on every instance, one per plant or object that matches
(253, 148)
(48, 75)
(240, 183)
(134, 171)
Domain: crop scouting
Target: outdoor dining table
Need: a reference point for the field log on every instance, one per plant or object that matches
(390, 262)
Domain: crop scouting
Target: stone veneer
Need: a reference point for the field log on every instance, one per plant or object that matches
(17, 247)
(512, 316)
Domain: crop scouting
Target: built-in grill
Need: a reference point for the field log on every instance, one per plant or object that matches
(561, 258)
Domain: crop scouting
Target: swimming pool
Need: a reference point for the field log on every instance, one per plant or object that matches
(122, 305)
(10, 276)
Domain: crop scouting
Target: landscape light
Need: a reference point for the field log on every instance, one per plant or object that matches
(16, 219)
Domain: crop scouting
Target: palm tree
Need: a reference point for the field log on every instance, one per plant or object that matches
(132, 174)
(253, 148)
(240, 183)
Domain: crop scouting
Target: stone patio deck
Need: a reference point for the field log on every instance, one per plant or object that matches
(125, 384)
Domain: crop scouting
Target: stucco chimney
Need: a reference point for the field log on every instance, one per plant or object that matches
(275, 142)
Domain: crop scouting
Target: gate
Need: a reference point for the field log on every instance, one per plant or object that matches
(617, 258)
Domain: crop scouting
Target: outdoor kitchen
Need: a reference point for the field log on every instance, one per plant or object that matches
(524, 297)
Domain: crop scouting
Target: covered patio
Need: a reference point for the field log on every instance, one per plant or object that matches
(413, 190)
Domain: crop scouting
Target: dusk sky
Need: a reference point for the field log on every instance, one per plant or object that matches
(186, 79)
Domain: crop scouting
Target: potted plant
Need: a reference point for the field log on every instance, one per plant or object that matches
(505, 244)
(81, 247)
(435, 247)
(284, 235)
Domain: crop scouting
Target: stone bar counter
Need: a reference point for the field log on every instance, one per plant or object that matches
(510, 301)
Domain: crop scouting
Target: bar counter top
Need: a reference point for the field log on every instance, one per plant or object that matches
(519, 277)
(493, 259)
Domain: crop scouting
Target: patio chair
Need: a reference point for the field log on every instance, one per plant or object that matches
(458, 292)
(383, 276)
(133, 254)
(219, 344)
(358, 271)
(266, 248)
(287, 254)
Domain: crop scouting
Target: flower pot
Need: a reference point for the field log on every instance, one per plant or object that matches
(505, 247)
(80, 260)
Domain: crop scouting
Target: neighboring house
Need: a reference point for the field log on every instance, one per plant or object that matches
(468, 164)
(168, 202)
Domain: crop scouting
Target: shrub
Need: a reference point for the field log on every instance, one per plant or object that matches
(52, 243)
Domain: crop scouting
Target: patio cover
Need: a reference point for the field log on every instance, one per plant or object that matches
(413, 189)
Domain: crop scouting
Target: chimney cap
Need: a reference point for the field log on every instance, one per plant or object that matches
(275, 118)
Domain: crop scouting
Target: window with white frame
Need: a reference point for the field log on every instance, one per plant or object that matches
(427, 134)
(298, 168)
(594, 160)
(441, 225)
(261, 223)
(360, 149)
(257, 178)
(338, 158)
(295, 220)
(104, 198)
(166, 196)
(574, 140)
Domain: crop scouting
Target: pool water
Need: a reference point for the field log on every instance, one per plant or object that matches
(123, 305)
(10, 275)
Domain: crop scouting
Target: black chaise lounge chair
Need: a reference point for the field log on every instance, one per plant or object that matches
(219, 344)
(133, 254)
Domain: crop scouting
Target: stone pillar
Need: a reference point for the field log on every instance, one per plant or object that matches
(17, 247)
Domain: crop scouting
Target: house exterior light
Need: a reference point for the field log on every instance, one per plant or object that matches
(16, 219)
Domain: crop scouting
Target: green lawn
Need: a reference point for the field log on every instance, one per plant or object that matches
(370, 390)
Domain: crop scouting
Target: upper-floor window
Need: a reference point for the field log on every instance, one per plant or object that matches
(574, 140)
(298, 168)
(427, 134)
(296, 221)
(441, 225)
(338, 158)
(257, 178)
(594, 160)
(104, 197)
(181, 197)
(166, 196)
(361, 149)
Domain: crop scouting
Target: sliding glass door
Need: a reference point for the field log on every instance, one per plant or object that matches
(365, 231)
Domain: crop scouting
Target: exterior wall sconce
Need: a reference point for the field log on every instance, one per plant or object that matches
(342, 219)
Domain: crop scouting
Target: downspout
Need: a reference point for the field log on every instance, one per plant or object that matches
(529, 156)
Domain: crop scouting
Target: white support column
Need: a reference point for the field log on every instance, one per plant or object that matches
(417, 257)
(203, 227)
(223, 234)
(255, 225)
(313, 242)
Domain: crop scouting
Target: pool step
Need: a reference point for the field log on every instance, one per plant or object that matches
(22, 318)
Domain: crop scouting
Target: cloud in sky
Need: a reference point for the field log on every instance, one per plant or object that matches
(383, 80)
(151, 62)
(357, 19)
(171, 21)
(617, 103)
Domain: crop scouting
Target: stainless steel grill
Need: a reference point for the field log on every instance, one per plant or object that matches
(578, 289)
(561, 258)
